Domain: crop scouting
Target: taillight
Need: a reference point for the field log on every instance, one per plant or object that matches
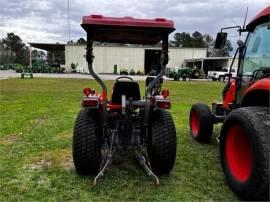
(165, 93)
(164, 104)
(89, 102)
(87, 91)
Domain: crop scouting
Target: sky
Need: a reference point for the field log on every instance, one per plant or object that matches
(46, 21)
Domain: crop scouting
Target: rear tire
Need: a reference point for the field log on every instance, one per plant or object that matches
(86, 143)
(161, 147)
(201, 122)
(221, 78)
(244, 152)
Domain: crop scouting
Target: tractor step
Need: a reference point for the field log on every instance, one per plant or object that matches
(218, 109)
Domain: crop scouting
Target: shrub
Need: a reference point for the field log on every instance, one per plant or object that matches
(139, 72)
(132, 72)
(123, 72)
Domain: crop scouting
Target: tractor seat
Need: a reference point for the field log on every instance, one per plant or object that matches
(129, 88)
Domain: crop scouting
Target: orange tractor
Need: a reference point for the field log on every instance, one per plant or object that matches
(245, 134)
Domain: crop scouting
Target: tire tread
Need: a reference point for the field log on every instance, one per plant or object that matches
(85, 147)
(162, 149)
(259, 120)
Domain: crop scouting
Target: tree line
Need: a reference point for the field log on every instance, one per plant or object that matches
(186, 40)
(197, 40)
(13, 50)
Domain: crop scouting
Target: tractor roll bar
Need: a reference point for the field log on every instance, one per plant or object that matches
(90, 58)
(164, 61)
(164, 58)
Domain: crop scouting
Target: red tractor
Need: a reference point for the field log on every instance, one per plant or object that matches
(125, 122)
(245, 134)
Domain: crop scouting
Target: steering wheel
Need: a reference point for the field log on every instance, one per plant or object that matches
(124, 77)
(260, 73)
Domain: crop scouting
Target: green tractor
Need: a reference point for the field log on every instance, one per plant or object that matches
(178, 73)
(195, 73)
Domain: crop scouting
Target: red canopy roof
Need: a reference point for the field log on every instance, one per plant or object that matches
(127, 29)
(262, 17)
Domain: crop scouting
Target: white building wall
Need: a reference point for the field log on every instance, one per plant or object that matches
(235, 64)
(178, 55)
(125, 57)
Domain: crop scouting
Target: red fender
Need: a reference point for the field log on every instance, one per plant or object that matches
(263, 84)
(230, 94)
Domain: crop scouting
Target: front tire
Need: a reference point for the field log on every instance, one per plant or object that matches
(201, 122)
(86, 143)
(244, 152)
(161, 147)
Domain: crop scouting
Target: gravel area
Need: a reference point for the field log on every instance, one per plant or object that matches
(6, 74)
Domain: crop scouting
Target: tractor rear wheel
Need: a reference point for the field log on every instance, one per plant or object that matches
(201, 122)
(244, 152)
(161, 146)
(86, 143)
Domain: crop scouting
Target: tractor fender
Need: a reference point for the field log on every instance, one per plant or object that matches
(257, 94)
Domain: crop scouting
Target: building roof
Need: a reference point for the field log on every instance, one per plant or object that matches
(51, 47)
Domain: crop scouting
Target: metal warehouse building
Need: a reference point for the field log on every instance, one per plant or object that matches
(125, 57)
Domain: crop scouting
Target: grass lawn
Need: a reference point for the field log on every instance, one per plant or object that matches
(36, 124)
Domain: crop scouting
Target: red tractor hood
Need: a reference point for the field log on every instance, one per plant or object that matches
(262, 17)
(263, 84)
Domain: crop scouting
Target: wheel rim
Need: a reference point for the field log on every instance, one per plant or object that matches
(239, 153)
(194, 123)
